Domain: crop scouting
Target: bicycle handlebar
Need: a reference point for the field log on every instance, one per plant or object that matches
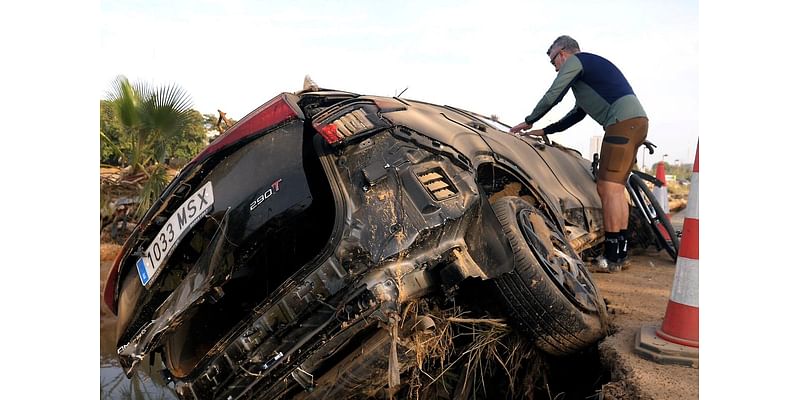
(650, 146)
(650, 178)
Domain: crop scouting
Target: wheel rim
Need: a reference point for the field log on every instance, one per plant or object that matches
(566, 271)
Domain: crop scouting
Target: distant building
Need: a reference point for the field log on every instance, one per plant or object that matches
(595, 143)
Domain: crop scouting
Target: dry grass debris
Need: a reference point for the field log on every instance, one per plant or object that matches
(461, 356)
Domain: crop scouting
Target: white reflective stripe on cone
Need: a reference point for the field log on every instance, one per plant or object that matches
(663, 199)
(686, 288)
(692, 208)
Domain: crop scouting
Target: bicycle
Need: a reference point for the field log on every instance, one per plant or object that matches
(649, 221)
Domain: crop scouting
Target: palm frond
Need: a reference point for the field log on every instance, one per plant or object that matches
(166, 110)
(125, 100)
(116, 149)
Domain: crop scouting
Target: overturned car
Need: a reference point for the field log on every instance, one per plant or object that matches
(281, 261)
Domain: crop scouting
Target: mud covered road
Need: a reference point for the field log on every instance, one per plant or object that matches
(637, 297)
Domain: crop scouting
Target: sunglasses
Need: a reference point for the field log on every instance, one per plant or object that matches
(553, 58)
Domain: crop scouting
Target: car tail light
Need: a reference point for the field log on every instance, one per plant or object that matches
(329, 132)
(349, 121)
(271, 113)
(351, 124)
(110, 290)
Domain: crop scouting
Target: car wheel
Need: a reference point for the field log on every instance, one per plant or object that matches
(549, 294)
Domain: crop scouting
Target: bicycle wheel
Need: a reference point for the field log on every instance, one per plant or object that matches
(657, 220)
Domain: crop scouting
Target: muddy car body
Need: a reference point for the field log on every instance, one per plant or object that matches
(279, 261)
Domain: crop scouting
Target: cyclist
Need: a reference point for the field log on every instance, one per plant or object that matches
(601, 91)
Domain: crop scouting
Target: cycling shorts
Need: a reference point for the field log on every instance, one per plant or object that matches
(618, 152)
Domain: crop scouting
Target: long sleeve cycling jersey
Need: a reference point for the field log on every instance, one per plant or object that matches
(599, 88)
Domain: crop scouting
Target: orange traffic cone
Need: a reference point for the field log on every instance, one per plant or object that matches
(677, 341)
(662, 196)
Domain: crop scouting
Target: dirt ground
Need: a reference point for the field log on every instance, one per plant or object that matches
(108, 252)
(638, 297)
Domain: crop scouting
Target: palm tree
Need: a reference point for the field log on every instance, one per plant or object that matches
(149, 116)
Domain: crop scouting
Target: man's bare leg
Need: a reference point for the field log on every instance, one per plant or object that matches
(615, 205)
(615, 222)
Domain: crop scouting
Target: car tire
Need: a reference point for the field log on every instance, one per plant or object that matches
(549, 294)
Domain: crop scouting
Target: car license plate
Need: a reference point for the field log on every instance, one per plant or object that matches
(180, 222)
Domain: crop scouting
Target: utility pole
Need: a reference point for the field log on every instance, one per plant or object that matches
(644, 164)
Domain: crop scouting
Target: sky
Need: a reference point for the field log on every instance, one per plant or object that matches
(487, 57)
